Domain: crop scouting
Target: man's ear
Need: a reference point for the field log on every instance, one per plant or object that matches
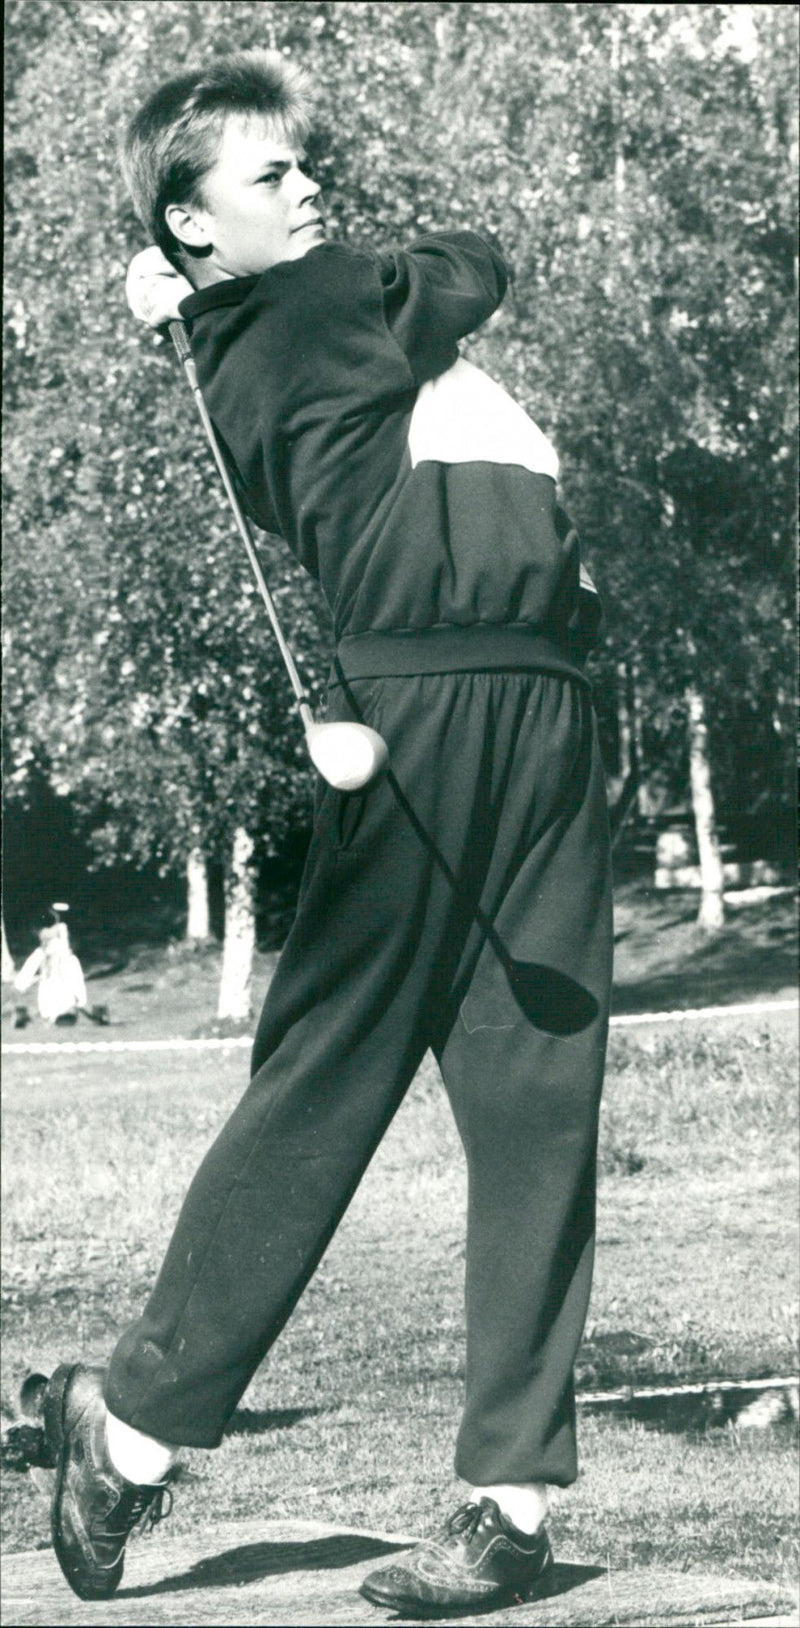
(190, 226)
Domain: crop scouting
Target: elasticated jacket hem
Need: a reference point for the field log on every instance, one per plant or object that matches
(453, 650)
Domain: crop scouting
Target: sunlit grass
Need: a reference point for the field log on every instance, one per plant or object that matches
(353, 1415)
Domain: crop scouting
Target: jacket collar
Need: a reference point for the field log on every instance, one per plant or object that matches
(233, 290)
(229, 291)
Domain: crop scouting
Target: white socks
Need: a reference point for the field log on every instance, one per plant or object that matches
(525, 1506)
(144, 1460)
(139, 1458)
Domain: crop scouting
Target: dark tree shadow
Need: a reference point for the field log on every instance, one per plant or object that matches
(754, 954)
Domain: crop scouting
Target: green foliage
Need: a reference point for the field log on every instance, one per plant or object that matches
(139, 661)
(635, 165)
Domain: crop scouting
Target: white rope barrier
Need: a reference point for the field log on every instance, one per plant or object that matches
(778, 1382)
(243, 1042)
(743, 1009)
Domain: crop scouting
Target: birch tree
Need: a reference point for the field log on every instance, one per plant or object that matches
(235, 990)
(8, 968)
(198, 915)
(712, 876)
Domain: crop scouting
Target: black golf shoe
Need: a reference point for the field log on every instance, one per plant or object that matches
(94, 1509)
(478, 1562)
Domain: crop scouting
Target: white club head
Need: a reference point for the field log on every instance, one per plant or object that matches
(347, 755)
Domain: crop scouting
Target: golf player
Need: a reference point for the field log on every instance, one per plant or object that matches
(460, 902)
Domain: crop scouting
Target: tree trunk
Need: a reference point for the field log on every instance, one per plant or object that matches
(198, 928)
(644, 806)
(711, 915)
(624, 721)
(240, 931)
(628, 766)
(8, 960)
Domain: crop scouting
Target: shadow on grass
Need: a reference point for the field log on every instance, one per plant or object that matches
(623, 1360)
(713, 975)
(664, 960)
(257, 1421)
(684, 917)
(236, 1567)
(567, 1575)
(693, 1414)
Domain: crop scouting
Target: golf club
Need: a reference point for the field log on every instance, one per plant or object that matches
(348, 755)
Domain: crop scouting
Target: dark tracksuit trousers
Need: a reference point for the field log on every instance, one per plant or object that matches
(432, 903)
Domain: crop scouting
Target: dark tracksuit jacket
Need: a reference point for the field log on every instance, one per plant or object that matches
(463, 902)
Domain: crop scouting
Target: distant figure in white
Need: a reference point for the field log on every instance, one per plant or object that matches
(56, 968)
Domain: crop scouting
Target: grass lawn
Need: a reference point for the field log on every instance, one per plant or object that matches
(353, 1415)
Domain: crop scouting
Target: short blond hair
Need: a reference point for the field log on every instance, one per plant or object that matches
(173, 140)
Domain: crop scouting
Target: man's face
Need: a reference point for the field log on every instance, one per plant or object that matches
(258, 207)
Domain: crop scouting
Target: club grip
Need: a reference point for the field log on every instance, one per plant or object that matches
(180, 340)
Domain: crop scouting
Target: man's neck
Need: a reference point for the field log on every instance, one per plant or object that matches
(204, 273)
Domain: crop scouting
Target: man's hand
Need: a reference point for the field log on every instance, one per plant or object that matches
(154, 289)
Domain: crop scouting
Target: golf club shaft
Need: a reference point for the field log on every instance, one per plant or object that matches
(181, 342)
